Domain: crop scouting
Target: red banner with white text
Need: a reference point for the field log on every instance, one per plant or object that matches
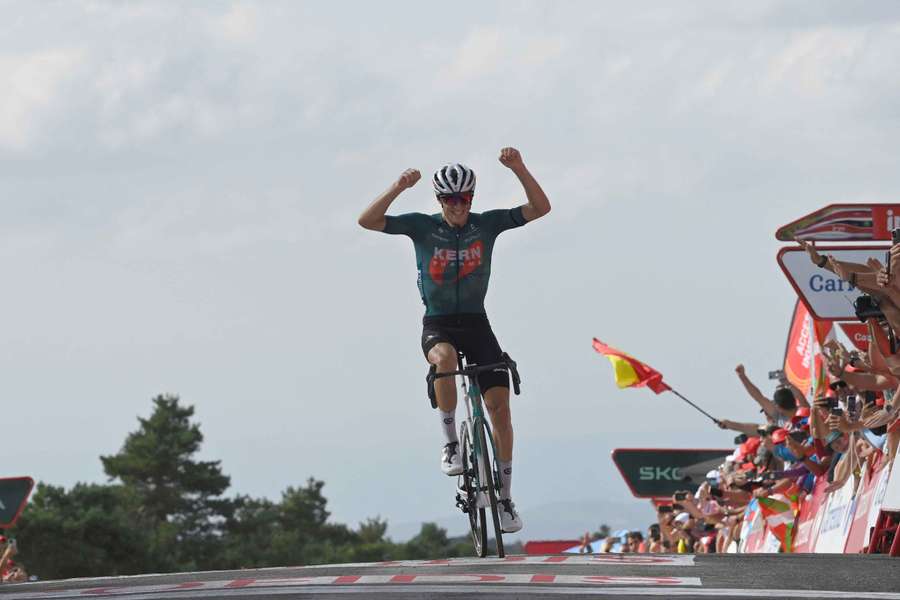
(798, 355)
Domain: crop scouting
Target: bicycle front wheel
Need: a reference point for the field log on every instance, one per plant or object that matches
(469, 487)
(487, 457)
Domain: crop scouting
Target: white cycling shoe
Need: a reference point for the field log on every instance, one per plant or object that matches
(510, 521)
(451, 461)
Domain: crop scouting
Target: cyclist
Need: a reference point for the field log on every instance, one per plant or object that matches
(453, 254)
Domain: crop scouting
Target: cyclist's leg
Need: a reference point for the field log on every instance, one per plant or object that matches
(481, 347)
(496, 400)
(443, 356)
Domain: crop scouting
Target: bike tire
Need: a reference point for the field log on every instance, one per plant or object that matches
(480, 426)
(477, 524)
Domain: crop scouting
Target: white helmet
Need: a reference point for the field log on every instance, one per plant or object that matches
(453, 179)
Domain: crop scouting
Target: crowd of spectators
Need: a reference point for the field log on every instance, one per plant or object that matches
(850, 425)
(10, 570)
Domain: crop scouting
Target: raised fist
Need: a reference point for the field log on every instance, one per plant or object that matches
(739, 369)
(510, 158)
(408, 178)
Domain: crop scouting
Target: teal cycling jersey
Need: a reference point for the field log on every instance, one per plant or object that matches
(454, 263)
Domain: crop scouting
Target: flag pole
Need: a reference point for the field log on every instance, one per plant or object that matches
(714, 420)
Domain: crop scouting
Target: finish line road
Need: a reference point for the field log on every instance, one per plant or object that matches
(531, 577)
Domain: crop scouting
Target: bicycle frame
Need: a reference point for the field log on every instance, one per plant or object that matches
(474, 414)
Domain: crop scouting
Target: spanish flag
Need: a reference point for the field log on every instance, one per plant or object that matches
(631, 372)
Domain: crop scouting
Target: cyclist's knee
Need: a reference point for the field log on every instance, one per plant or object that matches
(496, 399)
(444, 356)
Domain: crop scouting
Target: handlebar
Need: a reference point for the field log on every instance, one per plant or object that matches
(472, 371)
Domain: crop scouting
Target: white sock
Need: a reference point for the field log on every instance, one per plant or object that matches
(505, 478)
(448, 422)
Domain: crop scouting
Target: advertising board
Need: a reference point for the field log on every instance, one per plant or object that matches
(824, 294)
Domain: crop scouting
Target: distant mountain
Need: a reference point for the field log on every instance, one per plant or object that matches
(566, 519)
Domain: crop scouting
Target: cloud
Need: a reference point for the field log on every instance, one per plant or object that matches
(32, 86)
(239, 24)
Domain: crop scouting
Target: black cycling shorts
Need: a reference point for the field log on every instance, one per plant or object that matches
(470, 334)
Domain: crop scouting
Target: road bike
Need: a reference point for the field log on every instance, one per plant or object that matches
(478, 488)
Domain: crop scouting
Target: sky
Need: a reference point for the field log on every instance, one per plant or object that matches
(180, 184)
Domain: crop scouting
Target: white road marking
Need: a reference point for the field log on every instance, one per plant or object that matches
(669, 560)
(192, 588)
(518, 590)
(655, 560)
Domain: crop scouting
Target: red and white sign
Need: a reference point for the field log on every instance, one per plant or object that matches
(868, 503)
(835, 522)
(845, 223)
(858, 334)
(806, 527)
(824, 294)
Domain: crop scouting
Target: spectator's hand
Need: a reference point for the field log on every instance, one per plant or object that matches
(511, 159)
(703, 491)
(838, 423)
(408, 179)
(834, 486)
(810, 248)
(796, 448)
(761, 492)
(838, 269)
(740, 370)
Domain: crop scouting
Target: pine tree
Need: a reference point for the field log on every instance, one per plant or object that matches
(177, 496)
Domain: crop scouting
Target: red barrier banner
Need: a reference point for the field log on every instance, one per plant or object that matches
(835, 519)
(868, 503)
(858, 333)
(806, 528)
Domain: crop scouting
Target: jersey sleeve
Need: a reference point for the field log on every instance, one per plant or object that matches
(409, 224)
(504, 218)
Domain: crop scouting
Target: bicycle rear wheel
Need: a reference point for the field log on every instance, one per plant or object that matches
(477, 523)
(480, 426)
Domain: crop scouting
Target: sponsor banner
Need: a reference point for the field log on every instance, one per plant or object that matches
(892, 495)
(824, 294)
(835, 522)
(844, 222)
(858, 334)
(798, 353)
(807, 524)
(659, 473)
(868, 503)
(14, 492)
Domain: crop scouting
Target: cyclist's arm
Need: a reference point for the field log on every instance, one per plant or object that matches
(373, 217)
(538, 204)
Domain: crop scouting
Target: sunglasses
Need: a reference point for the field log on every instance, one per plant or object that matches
(454, 199)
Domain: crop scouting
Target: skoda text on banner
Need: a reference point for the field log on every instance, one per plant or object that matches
(826, 297)
(659, 473)
(844, 223)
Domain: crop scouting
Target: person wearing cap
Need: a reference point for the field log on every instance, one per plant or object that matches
(784, 402)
